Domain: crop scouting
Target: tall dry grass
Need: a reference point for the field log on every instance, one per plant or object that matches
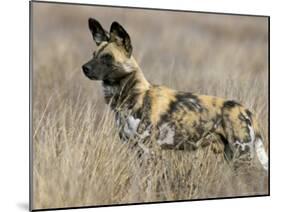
(78, 157)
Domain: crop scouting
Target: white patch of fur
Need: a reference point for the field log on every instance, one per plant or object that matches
(130, 130)
(166, 135)
(110, 90)
(131, 126)
(262, 156)
(242, 144)
(252, 133)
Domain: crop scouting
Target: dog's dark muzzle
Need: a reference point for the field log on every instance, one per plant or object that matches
(86, 69)
(89, 71)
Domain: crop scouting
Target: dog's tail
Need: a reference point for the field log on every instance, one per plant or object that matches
(262, 156)
(259, 146)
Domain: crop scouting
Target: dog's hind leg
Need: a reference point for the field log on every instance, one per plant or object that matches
(243, 135)
(239, 132)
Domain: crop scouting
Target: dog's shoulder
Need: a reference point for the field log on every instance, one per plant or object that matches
(160, 99)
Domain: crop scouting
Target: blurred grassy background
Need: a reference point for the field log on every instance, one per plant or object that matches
(76, 151)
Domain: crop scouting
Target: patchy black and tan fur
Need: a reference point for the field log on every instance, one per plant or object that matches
(174, 119)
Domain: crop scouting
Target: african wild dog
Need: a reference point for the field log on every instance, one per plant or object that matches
(175, 119)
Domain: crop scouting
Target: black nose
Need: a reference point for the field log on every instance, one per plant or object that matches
(86, 69)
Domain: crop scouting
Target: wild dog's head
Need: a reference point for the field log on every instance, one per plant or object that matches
(112, 59)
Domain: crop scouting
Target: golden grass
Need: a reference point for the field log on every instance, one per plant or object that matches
(78, 157)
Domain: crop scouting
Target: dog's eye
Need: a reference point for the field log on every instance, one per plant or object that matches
(106, 58)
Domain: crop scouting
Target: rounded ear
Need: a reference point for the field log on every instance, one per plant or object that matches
(99, 34)
(118, 34)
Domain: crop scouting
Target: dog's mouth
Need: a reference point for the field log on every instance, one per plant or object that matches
(92, 77)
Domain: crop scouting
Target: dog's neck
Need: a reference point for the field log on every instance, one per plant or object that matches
(126, 92)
